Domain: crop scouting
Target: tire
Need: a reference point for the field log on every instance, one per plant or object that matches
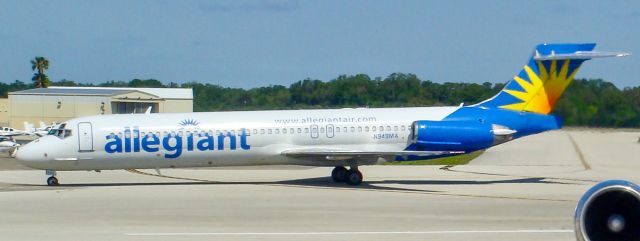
(339, 174)
(52, 181)
(354, 178)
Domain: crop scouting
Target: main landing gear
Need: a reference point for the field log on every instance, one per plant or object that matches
(52, 180)
(352, 176)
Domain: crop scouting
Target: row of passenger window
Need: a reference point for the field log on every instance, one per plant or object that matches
(270, 131)
(336, 129)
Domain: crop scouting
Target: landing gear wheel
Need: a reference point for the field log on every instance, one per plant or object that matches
(339, 174)
(354, 177)
(52, 181)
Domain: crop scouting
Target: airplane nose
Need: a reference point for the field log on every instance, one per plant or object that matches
(39, 153)
(28, 155)
(22, 154)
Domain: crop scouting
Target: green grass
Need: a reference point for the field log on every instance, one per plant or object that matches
(450, 160)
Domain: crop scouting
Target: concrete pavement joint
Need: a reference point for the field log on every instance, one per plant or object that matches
(578, 151)
(450, 169)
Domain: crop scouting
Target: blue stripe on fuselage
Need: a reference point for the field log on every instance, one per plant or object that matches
(524, 123)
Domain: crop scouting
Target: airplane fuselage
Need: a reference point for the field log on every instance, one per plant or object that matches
(233, 138)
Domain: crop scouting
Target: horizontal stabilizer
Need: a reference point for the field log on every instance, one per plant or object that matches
(579, 55)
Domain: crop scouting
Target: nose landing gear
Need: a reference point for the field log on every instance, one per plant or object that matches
(352, 176)
(52, 180)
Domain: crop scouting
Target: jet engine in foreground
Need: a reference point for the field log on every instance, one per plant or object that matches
(609, 211)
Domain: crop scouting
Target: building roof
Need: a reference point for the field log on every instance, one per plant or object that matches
(64, 91)
(164, 93)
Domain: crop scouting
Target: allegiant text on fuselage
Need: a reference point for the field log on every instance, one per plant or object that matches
(173, 143)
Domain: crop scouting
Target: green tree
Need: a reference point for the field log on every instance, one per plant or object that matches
(148, 83)
(40, 78)
(587, 102)
(64, 82)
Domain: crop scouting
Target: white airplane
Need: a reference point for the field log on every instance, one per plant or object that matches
(43, 130)
(6, 144)
(11, 132)
(328, 137)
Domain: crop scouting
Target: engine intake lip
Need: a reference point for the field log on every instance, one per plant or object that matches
(603, 188)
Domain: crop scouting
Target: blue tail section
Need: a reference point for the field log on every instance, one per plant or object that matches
(542, 81)
(475, 128)
(520, 109)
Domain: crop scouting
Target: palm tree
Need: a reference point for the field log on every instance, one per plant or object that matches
(41, 64)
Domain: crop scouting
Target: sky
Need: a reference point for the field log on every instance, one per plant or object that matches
(278, 42)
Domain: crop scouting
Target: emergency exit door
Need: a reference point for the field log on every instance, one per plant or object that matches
(330, 131)
(85, 137)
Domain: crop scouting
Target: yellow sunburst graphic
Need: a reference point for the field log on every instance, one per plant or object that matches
(543, 91)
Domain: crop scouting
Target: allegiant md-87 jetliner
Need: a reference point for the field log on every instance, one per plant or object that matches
(326, 137)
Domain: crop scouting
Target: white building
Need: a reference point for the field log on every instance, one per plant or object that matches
(58, 104)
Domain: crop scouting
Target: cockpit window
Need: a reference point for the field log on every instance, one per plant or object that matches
(60, 131)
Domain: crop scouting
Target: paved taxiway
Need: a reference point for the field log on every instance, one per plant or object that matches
(523, 190)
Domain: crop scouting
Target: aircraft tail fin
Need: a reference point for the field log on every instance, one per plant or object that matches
(544, 79)
(28, 127)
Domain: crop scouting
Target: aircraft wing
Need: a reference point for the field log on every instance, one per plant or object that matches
(13, 134)
(338, 154)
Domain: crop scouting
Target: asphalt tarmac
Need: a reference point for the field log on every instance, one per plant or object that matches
(523, 190)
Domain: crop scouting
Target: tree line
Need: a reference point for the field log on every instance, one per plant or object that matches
(587, 102)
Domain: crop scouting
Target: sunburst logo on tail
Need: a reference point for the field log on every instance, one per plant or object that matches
(543, 88)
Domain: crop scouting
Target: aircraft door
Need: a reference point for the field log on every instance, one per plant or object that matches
(314, 131)
(330, 132)
(85, 137)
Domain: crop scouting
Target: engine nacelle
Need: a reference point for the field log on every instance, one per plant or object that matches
(610, 210)
(457, 135)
